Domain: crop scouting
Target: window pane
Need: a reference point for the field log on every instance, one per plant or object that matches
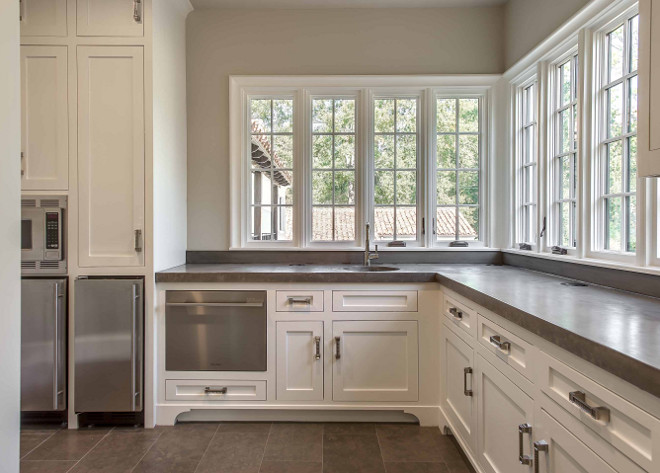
(384, 115)
(565, 224)
(406, 223)
(632, 101)
(468, 120)
(283, 116)
(446, 151)
(632, 164)
(345, 187)
(384, 151)
(615, 53)
(322, 223)
(446, 115)
(634, 43)
(468, 223)
(344, 223)
(615, 111)
(631, 237)
(406, 119)
(322, 115)
(529, 149)
(468, 151)
(261, 114)
(345, 116)
(565, 131)
(564, 177)
(528, 184)
(384, 187)
(446, 187)
(283, 151)
(406, 187)
(615, 167)
(322, 151)
(384, 223)
(345, 151)
(322, 187)
(446, 223)
(565, 78)
(468, 185)
(261, 185)
(613, 219)
(406, 152)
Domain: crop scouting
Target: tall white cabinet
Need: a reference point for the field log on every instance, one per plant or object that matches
(45, 118)
(111, 155)
(649, 89)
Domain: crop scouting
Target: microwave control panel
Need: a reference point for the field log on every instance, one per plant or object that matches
(52, 230)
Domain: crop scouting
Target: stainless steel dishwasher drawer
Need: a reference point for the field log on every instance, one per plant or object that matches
(215, 331)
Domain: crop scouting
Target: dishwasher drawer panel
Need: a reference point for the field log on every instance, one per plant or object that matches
(215, 331)
(214, 390)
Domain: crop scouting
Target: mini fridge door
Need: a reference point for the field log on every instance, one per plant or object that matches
(43, 345)
(108, 348)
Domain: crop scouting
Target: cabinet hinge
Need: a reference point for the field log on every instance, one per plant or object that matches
(20, 10)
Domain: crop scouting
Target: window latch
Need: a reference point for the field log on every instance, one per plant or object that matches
(525, 246)
(459, 244)
(558, 250)
(542, 234)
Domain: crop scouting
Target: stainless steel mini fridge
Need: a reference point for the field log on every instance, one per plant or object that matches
(108, 345)
(43, 345)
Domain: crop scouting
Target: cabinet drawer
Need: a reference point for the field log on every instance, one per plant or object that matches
(461, 316)
(214, 390)
(299, 301)
(621, 424)
(508, 348)
(374, 301)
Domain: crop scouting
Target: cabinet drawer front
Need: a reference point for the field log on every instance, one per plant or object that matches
(374, 301)
(621, 424)
(507, 347)
(461, 316)
(214, 390)
(299, 301)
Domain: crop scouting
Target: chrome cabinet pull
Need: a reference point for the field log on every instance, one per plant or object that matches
(457, 314)
(137, 10)
(466, 371)
(20, 13)
(540, 446)
(134, 356)
(317, 344)
(138, 241)
(497, 341)
(338, 346)
(299, 300)
(522, 430)
(579, 398)
(210, 390)
(22, 153)
(56, 350)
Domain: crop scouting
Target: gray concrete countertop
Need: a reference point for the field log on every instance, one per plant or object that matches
(616, 330)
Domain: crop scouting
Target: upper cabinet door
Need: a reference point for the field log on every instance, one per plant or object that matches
(110, 17)
(110, 155)
(649, 89)
(43, 17)
(44, 118)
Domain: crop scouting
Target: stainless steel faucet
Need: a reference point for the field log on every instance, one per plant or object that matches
(368, 255)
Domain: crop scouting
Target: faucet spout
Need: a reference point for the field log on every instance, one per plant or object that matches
(368, 255)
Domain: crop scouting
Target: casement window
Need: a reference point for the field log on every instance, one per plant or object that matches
(458, 168)
(313, 160)
(527, 162)
(564, 153)
(617, 151)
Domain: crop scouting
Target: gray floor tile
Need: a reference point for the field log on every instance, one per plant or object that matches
(178, 449)
(291, 467)
(229, 427)
(402, 443)
(31, 439)
(351, 454)
(295, 442)
(235, 452)
(68, 445)
(340, 428)
(416, 467)
(119, 452)
(46, 466)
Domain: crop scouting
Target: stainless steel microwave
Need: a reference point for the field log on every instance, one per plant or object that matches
(42, 235)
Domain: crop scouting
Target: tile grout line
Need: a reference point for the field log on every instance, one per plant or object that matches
(380, 449)
(322, 446)
(270, 429)
(148, 450)
(40, 444)
(90, 450)
(207, 447)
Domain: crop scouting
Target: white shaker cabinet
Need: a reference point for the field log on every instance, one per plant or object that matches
(110, 17)
(375, 361)
(300, 361)
(649, 89)
(44, 118)
(111, 156)
(43, 17)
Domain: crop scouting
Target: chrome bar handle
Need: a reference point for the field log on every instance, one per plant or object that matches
(210, 390)
(214, 304)
(338, 347)
(579, 398)
(457, 314)
(133, 349)
(317, 345)
(497, 341)
(138, 241)
(540, 446)
(56, 350)
(137, 10)
(466, 372)
(522, 430)
(299, 300)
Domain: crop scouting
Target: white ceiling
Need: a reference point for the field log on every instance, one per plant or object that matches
(342, 3)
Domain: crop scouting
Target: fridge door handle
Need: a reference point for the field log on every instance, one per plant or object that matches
(58, 343)
(136, 381)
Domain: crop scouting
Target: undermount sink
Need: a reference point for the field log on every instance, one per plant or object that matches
(371, 268)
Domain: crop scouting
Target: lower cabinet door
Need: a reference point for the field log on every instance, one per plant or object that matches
(375, 361)
(300, 361)
(458, 396)
(504, 422)
(559, 451)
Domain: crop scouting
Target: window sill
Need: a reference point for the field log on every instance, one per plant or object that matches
(587, 261)
(358, 249)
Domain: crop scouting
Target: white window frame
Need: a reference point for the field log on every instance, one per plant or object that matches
(529, 78)
(364, 88)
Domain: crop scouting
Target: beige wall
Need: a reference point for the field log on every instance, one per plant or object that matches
(10, 216)
(528, 22)
(337, 41)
